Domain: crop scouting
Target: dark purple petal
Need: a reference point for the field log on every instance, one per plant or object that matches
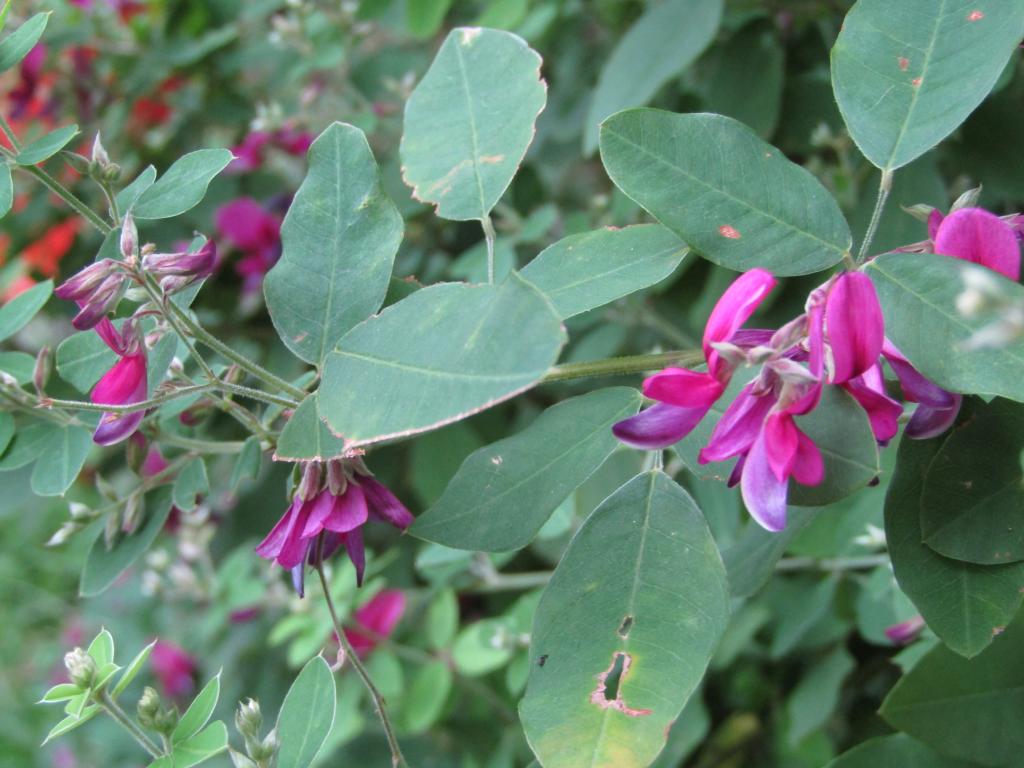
(659, 426)
(271, 545)
(319, 510)
(930, 422)
(916, 387)
(906, 631)
(299, 579)
(353, 541)
(384, 505)
(115, 427)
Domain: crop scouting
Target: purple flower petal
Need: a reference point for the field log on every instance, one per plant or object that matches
(780, 443)
(930, 422)
(115, 427)
(349, 510)
(659, 426)
(739, 426)
(883, 412)
(353, 541)
(683, 387)
(384, 505)
(980, 237)
(271, 545)
(854, 325)
(763, 493)
(809, 467)
(733, 309)
(319, 510)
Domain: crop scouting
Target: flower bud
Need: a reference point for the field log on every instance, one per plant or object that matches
(249, 719)
(264, 751)
(166, 720)
(129, 239)
(81, 286)
(111, 527)
(133, 509)
(101, 302)
(337, 481)
(81, 668)
(8, 380)
(309, 486)
(42, 370)
(62, 534)
(111, 173)
(99, 153)
(79, 511)
(921, 212)
(148, 708)
(968, 199)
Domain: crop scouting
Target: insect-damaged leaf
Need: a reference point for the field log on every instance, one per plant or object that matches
(339, 241)
(625, 629)
(907, 74)
(469, 121)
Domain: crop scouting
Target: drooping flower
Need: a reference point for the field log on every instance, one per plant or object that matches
(174, 668)
(685, 396)
(124, 384)
(324, 516)
(379, 616)
(254, 231)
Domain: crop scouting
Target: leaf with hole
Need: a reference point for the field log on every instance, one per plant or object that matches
(503, 493)
(624, 630)
(907, 74)
(339, 241)
(730, 196)
(464, 135)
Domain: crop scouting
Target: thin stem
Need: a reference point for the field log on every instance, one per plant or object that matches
(66, 195)
(9, 133)
(832, 565)
(257, 394)
(163, 302)
(397, 759)
(489, 237)
(111, 708)
(621, 366)
(884, 188)
(82, 405)
(211, 341)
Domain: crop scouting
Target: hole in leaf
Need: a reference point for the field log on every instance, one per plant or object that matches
(625, 626)
(611, 682)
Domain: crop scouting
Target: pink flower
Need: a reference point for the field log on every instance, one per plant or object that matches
(905, 632)
(975, 235)
(254, 231)
(124, 384)
(685, 396)
(176, 270)
(380, 615)
(174, 669)
(854, 328)
(249, 155)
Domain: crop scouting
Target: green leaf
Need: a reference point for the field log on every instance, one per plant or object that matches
(590, 269)
(504, 492)
(750, 562)
(424, 18)
(27, 444)
(103, 567)
(423, 702)
(641, 582)
(17, 45)
(60, 693)
(47, 146)
(483, 647)
(247, 465)
(972, 507)
(964, 604)
(209, 742)
(83, 358)
(6, 430)
(918, 293)
(191, 482)
(183, 186)
(127, 197)
(101, 649)
(132, 670)
(895, 751)
(307, 715)
(660, 44)
(71, 722)
(20, 365)
(16, 313)
(3, 14)
(842, 432)
(6, 189)
(732, 197)
(442, 619)
(339, 241)
(305, 437)
(60, 460)
(906, 76)
(814, 699)
(198, 712)
(470, 120)
(965, 708)
(438, 356)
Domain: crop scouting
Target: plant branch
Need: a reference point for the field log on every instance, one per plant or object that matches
(111, 708)
(621, 366)
(832, 565)
(489, 237)
(83, 405)
(884, 188)
(9, 133)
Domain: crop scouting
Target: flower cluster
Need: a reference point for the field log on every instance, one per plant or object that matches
(249, 155)
(839, 341)
(330, 506)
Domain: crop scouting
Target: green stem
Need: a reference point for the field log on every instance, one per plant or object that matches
(111, 708)
(166, 306)
(832, 565)
(397, 759)
(65, 194)
(489, 238)
(884, 188)
(9, 132)
(621, 366)
(257, 394)
(82, 405)
(211, 341)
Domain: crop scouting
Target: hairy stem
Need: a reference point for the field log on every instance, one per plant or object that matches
(397, 758)
(111, 708)
(166, 306)
(83, 405)
(621, 366)
(884, 188)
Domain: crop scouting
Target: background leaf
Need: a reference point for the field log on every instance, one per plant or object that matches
(339, 242)
(16, 313)
(895, 751)
(61, 459)
(307, 715)
(733, 198)
(306, 437)
(469, 121)
(198, 712)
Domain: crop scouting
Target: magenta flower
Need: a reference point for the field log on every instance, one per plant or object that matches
(685, 396)
(174, 668)
(250, 154)
(176, 270)
(937, 408)
(975, 235)
(124, 384)
(254, 231)
(97, 289)
(380, 615)
(327, 516)
(905, 632)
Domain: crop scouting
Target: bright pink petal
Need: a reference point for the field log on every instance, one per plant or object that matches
(683, 387)
(763, 493)
(935, 219)
(883, 412)
(380, 616)
(809, 467)
(732, 311)
(659, 426)
(284, 543)
(123, 384)
(247, 225)
(980, 237)
(854, 325)
(739, 426)
(349, 510)
(174, 668)
(780, 443)
(111, 336)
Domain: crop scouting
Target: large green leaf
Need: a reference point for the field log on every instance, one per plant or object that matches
(918, 293)
(504, 492)
(60, 460)
(591, 269)
(469, 121)
(965, 708)
(964, 604)
(895, 751)
(339, 242)
(625, 629)
(15, 46)
(46, 146)
(732, 197)
(972, 507)
(662, 43)
(16, 313)
(439, 355)
(305, 437)
(307, 715)
(183, 185)
(103, 566)
(907, 74)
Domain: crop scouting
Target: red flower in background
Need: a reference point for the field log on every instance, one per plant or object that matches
(380, 615)
(174, 668)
